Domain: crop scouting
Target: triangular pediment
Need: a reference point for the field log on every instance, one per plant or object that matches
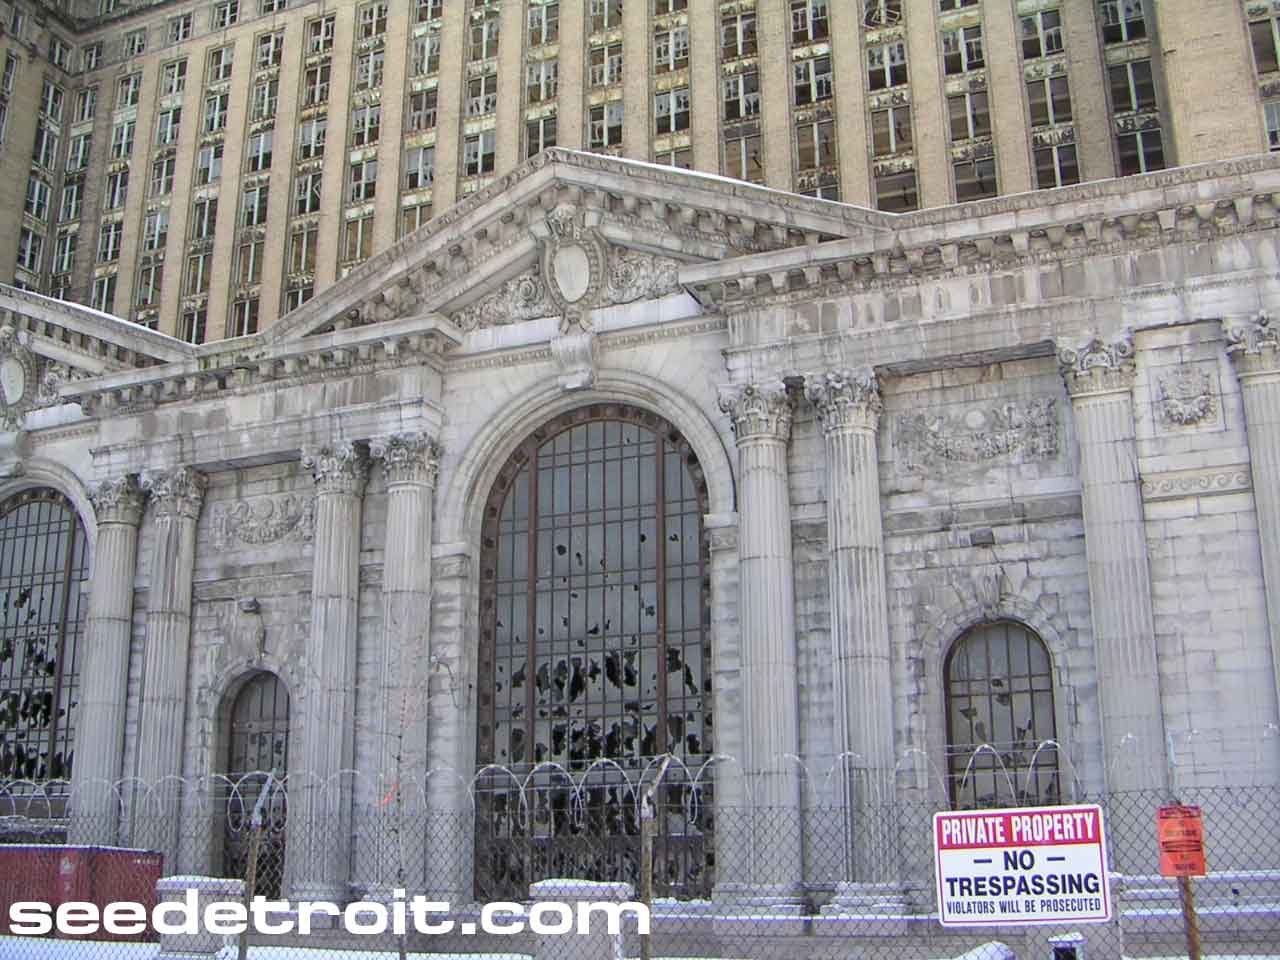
(632, 229)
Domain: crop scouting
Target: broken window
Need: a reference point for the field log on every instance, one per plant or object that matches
(43, 608)
(1001, 731)
(594, 647)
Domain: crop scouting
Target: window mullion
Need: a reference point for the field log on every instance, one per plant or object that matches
(660, 579)
(531, 613)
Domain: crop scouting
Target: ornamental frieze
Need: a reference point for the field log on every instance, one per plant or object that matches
(263, 521)
(1011, 433)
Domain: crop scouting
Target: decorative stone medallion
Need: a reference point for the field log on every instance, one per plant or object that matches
(573, 262)
(1187, 396)
(19, 377)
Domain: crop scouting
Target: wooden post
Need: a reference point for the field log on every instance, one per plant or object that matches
(1189, 921)
(648, 826)
(257, 824)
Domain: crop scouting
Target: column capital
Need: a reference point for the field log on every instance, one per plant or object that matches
(1096, 366)
(341, 467)
(119, 501)
(1253, 343)
(845, 399)
(178, 492)
(408, 457)
(759, 410)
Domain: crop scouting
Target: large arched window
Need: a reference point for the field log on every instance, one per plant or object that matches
(43, 564)
(257, 744)
(594, 618)
(1001, 731)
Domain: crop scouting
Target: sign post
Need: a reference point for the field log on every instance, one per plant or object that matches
(1180, 833)
(1027, 865)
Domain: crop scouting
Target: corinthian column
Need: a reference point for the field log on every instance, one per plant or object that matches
(761, 417)
(849, 408)
(411, 462)
(104, 688)
(1254, 346)
(320, 824)
(177, 496)
(1099, 378)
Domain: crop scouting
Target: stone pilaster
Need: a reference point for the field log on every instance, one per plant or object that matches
(849, 407)
(177, 496)
(761, 415)
(411, 462)
(105, 674)
(320, 815)
(1254, 347)
(1100, 377)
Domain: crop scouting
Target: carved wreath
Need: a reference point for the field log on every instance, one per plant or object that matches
(1187, 397)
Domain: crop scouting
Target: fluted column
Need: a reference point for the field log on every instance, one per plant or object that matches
(320, 815)
(761, 417)
(849, 407)
(99, 748)
(178, 496)
(1100, 378)
(1254, 346)
(411, 462)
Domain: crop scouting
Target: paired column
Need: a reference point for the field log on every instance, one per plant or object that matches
(320, 818)
(178, 496)
(97, 769)
(1254, 346)
(1100, 378)
(849, 407)
(762, 415)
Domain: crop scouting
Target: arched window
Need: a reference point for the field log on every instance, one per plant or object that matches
(1001, 732)
(594, 621)
(257, 743)
(43, 564)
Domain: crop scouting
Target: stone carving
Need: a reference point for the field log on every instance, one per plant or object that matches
(762, 410)
(118, 501)
(176, 493)
(264, 521)
(575, 355)
(19, 377)
(1096, 366)
(639, 276)
(846, 399)
(1186, 396)
(1015, 432)
(408, 457)
(1195, 483)
(1253, 344)
(521, 298)
(573, 259)
(340, 467)
(455, 566)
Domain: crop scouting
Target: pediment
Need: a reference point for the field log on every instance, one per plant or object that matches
(567, 233)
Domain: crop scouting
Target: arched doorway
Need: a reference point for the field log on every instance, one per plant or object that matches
(43, 565)
(594, 655)
(1001, 725)
(257, 742)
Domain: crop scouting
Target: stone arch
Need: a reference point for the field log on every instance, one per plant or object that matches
(39, 472)
(472, 474)
(947, 626)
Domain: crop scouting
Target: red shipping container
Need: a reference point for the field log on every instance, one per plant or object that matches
(62, 874)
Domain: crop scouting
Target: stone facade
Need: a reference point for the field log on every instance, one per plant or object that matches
(1055, 412)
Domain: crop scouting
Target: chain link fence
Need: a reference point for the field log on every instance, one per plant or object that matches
(724, 881)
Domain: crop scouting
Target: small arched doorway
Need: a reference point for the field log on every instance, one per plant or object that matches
(594, 657)
(257, 744)
(1001, 723)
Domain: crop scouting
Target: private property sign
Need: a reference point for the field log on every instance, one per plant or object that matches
(1023, 865)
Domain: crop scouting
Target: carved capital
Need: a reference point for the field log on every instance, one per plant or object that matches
(759, 410)
(1096, 366)
(845, 399)
(1254, 344)
(119, 501)
(408, 457)
(176, 493)
(337, 468)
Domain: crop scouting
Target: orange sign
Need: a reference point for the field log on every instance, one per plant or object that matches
(1180, 833)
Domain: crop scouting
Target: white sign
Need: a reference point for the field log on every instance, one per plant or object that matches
(1024, 865)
